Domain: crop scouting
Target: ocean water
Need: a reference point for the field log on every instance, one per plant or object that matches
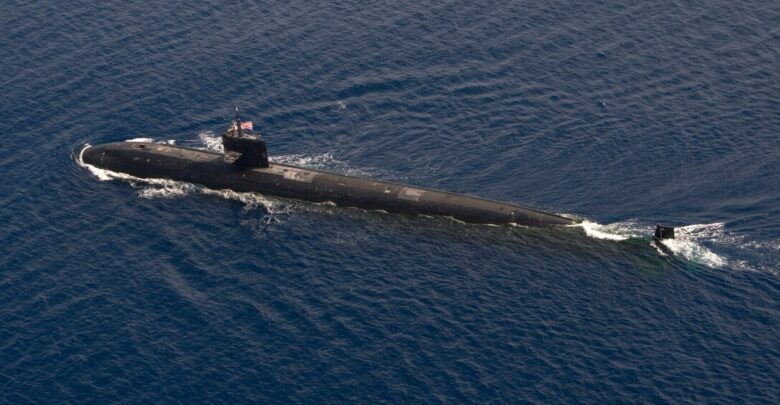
(622, 114)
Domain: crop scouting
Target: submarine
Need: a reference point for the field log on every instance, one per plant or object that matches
(244, 167)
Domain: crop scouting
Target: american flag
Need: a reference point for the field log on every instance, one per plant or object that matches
(246, 125)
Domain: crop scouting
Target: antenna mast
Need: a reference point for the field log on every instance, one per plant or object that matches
(238, 123)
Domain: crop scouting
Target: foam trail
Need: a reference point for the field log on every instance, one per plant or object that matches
(688, 243)
(166, 189)
(750, 255)
(617, 231)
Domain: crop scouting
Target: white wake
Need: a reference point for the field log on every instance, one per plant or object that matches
(691, 242)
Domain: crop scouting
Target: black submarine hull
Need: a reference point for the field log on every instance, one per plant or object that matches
(150, 160)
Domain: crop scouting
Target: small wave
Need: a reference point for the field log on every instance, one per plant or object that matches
(151, 140)
(161, 188)
(208, 140)
(323, 161)
(763, 245)
(315, 161)
(250, 200)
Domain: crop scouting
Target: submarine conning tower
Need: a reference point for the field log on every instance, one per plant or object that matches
(244, 150)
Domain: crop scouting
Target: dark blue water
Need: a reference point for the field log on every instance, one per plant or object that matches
(621, 114)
